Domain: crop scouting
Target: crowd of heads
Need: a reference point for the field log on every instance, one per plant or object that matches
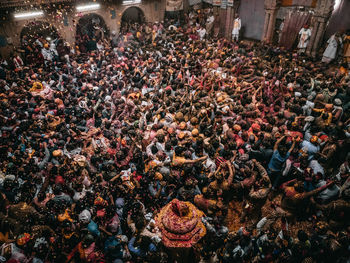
(95, 141)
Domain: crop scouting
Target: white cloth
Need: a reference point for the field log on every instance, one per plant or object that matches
(100, 47)
(331, 50)
(85, 216)
(201, 33)
(329, 192)
(18, 62)
(316, 167)
(53, 49)
(210, 19)
(305, 35)
(47, 54)
(307, 108)
(236, 26)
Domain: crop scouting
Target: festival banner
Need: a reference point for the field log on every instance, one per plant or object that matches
(216, 2)
(311, 3)
(230, 2)
(223, 4)
(174, 5)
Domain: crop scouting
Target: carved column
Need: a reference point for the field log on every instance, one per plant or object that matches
(231, 12)
(315, 27)
(271, 26)
(222, 14)
(271, 8)
(229, 19)
(216, 26)
(318, 37)
(323, 12)
(266, 23)
(186, 5)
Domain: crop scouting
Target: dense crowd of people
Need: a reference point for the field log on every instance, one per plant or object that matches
(95, 140)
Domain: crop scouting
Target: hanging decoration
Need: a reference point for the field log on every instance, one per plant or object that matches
(3, 41)
(309, 3)
(216, 2)
(113, 14)
(174, 5)
(65, 20)
(223, 4)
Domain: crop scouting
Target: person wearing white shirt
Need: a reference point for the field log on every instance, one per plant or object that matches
(305, 34)
(236, 28)
(201, 32)
(100, 45)
(330, 53)
(210, 23)
(47, 53)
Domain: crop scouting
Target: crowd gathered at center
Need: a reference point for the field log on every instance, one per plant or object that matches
(98, 137)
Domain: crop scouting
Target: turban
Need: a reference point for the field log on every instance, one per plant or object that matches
(236, 127)
(256, 127)
(194, 120)
(158, 176)
(195, 132)
(181, 135)
(23, 239)
(309, 118)
(182, 125)
(314, 139)
(57, 153)
(329, 106)
(100, 201)
(85, 216)
(337, 102)
(59, 180)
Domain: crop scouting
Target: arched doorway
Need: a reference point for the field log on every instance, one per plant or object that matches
(92, 26)
(132, 14)
(38, 29)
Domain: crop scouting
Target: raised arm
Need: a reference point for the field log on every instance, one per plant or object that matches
(231, 171)
(195, 161)
(284, 185)
(115, 177)
(278, 142)
(292, 147)
(316, 191)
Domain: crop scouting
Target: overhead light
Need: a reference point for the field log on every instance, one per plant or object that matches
(336, 4)
(129, 2)
(88, 7)
(28, 14)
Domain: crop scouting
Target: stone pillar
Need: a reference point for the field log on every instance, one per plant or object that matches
(266, 23)
(271, 8)
(322, 14)
(216, 26)
(186, 6)
(318, 37)
(222, 14)
(229, 20)
(236, 4)
(271, 25)
(312, 38)
(231, 12)
(216, 10)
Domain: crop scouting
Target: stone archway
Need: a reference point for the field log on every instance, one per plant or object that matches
(93, 26)
(38, 29)
(133, 14)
